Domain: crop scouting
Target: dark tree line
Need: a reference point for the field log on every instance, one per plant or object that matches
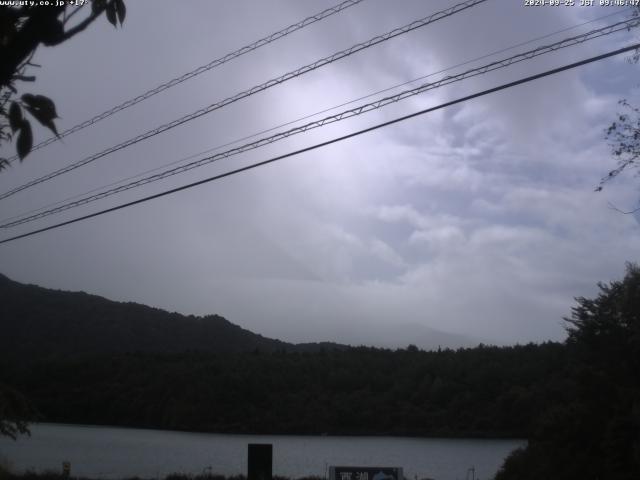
(485, 391)
(595, 432)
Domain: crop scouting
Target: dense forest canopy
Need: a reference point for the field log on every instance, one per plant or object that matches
(486, 391)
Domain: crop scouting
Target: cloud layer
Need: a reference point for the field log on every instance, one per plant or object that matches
(478, 220)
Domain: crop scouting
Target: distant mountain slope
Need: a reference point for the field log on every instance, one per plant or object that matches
(45, 323)
(402, 334)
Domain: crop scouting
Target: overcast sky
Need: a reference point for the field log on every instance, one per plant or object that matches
(477, 220)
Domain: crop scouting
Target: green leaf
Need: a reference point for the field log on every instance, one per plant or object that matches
(97, 6)
(43, 109)
(42, 104)
(121, 10)
(25, 140)
(15, 116)
(111, 13)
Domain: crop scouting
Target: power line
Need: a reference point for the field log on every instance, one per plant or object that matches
(329, 142)
(256, 89)
(291, 122)
(338, 117)
(596, 33)
(204, 68)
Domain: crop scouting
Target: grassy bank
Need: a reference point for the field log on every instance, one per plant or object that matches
(6, 473)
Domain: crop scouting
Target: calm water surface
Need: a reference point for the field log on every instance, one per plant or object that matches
(109, 452)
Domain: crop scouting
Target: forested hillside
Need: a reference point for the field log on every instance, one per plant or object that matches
(52, 324)
(84, 359)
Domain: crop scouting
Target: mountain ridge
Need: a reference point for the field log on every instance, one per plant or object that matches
(47, 323)
(71, 324)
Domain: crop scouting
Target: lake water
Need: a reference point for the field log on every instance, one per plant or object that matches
(109, 452)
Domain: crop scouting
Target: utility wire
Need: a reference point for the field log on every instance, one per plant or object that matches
(204, 68)
(597, 33)
(306, 117)
(311, 115)
(259, 88)
(329, 142)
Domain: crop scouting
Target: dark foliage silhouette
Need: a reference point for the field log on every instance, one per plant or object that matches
(594, 432)
(23, 29)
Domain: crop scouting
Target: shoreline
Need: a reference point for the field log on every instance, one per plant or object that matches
(8, 474)
(285, 434)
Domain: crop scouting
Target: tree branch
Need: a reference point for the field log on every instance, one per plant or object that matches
(68, 17)
(81, 26)
(613, 207)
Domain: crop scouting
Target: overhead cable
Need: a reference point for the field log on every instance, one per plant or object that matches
(306, 117)
(328, 142)
(204, 68)
(568, 42)
(256, 89)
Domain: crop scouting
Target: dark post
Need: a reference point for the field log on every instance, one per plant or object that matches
(260, 461)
